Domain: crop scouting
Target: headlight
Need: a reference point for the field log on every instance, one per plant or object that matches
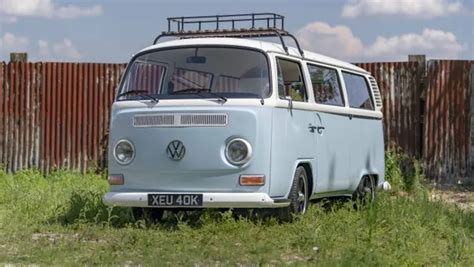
(124, 152)
(238, 151)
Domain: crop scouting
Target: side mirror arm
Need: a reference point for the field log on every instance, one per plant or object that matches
(290, 102)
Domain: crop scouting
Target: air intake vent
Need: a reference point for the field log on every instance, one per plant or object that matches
(181, 120)
(153, 120)
(377, 95)
(204, 119)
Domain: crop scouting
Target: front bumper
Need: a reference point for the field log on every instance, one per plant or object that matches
(210, 200)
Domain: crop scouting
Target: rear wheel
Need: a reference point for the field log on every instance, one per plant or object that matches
(299, 195)
(153, 215)
(365, 192)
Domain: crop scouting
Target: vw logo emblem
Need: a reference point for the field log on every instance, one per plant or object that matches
(176, 150)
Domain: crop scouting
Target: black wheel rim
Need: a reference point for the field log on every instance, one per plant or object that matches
(302, 194)
(367, 190)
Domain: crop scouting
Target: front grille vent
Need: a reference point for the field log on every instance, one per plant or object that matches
(204, 119)
(377, 95)
(181, 120)
(153, 120)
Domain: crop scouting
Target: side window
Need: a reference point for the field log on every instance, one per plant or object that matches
(358, 92)
(326, 87)
(290, 80)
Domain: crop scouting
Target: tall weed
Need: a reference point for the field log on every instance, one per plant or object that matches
(404, 173)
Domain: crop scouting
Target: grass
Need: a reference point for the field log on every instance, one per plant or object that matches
(59, 220)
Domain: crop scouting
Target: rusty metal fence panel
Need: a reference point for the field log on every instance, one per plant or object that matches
(400, 86)
(55, 115)
(448, 120)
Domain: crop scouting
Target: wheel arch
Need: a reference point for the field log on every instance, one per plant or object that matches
(373, 174)
(308, 166)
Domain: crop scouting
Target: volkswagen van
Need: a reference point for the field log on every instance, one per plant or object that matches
(217, 120)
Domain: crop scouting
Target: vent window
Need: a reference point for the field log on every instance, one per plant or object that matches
(376, 91)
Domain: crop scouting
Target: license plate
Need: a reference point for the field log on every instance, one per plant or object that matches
(175, 200)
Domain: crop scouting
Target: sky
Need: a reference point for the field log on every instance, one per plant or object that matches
(111, 31)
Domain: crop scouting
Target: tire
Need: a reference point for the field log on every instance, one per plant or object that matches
(365, 192)
(298, 196)
(153, 215)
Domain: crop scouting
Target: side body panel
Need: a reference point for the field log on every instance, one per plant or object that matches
(292, 142)
(349, 146)
(366, 149)
(333, 152)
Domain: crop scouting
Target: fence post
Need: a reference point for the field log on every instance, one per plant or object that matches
(470, 169)
(18, 57)
(422, 85)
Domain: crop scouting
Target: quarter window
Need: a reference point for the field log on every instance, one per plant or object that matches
(290, 80)
(358, 92)
(326, 87)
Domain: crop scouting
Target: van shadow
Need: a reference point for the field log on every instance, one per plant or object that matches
(330, 204)
(86, 207)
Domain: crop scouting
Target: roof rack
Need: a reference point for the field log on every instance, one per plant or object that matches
(262, 25)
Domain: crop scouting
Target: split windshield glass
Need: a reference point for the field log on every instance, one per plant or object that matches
(197, 72)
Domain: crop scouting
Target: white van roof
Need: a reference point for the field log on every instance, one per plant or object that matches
(260, 45)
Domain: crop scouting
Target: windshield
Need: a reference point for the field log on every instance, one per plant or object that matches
(186, 72)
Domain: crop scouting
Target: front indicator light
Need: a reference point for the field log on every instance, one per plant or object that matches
(115, 179)
(252, 180)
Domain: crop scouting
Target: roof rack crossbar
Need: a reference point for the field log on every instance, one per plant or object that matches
(275, 27)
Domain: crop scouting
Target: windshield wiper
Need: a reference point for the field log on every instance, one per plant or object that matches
(198, 91)
(148, 96)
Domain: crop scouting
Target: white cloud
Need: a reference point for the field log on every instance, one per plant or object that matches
(337, 41)
(60, 51)
(63, 50)
(11, 43)
(72, 11)
(44, 52)
(45, 8)
(340, 42)
(433, 43)
(413, 8)
(66, 50)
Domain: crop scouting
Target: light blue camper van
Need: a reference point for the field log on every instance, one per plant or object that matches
(218, 119)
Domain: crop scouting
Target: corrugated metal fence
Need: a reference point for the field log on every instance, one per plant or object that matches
(400, 84)
(56, 115)
(448, 114)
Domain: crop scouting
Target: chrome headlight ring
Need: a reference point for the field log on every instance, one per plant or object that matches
(238, 151)
(124, 152)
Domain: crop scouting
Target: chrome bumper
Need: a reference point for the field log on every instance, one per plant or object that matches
(210, 200)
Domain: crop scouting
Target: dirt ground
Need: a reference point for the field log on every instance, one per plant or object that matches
(459, 195)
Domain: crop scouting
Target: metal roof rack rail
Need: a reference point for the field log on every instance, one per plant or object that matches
(262, 25)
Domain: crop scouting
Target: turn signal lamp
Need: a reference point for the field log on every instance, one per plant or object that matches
(115, 179)
(252, 180)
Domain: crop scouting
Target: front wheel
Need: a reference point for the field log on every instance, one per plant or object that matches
(299, 195)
